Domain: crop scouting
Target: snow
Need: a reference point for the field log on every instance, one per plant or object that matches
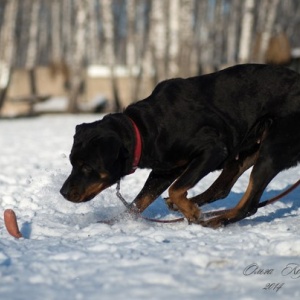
(66, 254)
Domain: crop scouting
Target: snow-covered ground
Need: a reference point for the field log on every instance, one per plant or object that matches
(66, 254)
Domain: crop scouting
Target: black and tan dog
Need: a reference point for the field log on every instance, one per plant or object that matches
(243, 116)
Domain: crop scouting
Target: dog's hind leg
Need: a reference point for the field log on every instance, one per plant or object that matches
(261, 175)
(278, 151)
(236, 167)
(228, 177)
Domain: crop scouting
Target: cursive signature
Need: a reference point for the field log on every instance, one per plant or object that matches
(254, 269)
(292, 270)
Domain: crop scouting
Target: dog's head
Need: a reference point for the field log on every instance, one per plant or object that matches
(97, 158)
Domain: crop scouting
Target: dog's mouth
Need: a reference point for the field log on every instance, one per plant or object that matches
(88, 194)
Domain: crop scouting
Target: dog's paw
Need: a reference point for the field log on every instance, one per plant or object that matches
(213, 223)
(193, 213)
(189, 209)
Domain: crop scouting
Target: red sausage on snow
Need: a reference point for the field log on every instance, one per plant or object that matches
(10, 221)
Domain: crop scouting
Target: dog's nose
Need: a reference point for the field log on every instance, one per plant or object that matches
(70, 193)
(64, 192)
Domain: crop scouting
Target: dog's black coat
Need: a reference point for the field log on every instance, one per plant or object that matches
(191, 127)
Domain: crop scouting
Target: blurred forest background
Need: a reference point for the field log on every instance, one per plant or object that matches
(94, 55)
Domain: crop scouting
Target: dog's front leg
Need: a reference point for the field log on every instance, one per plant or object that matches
(196, 170)
(154, 186)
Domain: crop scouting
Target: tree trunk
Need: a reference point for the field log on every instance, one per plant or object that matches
(67, 31)
(77, 72)
(232, 33)
(143, 42)
(7, 42)
(4, 87)
(33, 35)
(173, 37)
(219, 33)
(185, 37)
(32, 51)
(109, 53)
(246, 33)
(131, 46)
(56, 32)
(158, 40)
(93, 41)
(267, 32)
(206, 45)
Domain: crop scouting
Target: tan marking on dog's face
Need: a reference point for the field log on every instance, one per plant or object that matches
(92, 190)
(84, 184)
(104, 176)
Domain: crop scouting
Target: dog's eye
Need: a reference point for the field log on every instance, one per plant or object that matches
(86, 169)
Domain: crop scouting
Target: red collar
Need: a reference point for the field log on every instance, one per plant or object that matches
(138, 147)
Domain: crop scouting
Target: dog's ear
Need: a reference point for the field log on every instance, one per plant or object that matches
(79, 127)
(79, 131)
(113, 153)
(85, 133)
(110, 147)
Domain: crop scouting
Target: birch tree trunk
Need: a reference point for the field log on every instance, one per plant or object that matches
(267, 32)
(61, 34)
(7, 42)
(143, 46)
(246, 33)
(186, 37)
(109, 51)
(131, 45)
(43, 36)
(206, 45)
(77, 72)
(219, 33)
(32, 52)
(67, 31)
(173, 37)
(108, 32)
(232, 35)
(93, 41)
(56, 32)
(158, 40)
(33, 35)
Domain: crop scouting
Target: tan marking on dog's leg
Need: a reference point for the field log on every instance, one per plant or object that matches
(189, 209)
(170, 204)
(142, 203)
(236, 213)
(223, 184)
